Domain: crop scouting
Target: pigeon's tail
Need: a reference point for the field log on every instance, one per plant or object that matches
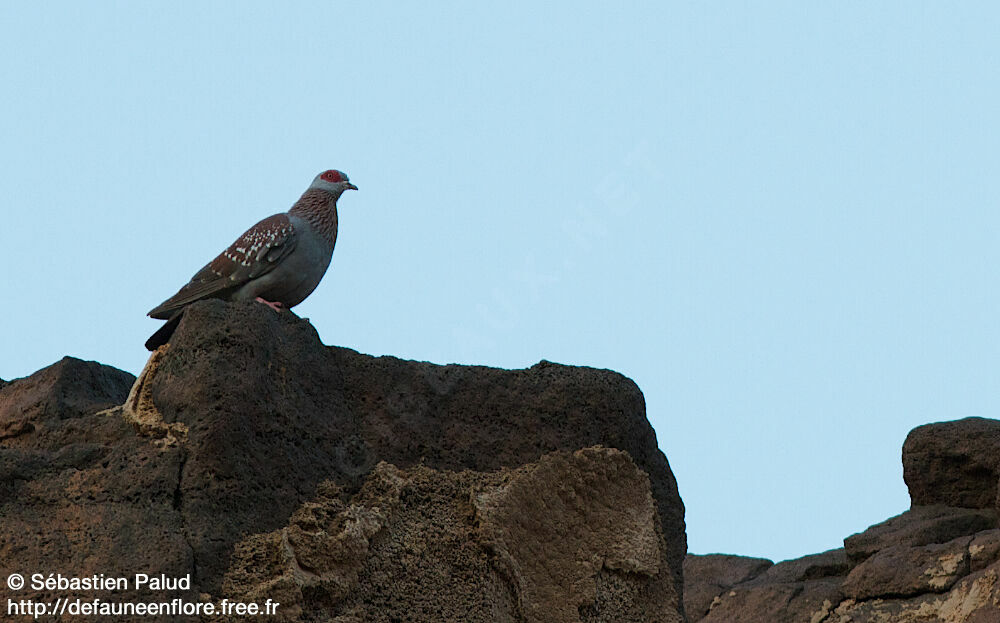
(163, 334)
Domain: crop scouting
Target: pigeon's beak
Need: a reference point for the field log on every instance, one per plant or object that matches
(351, 186)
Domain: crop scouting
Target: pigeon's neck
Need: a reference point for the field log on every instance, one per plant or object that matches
(319, 209)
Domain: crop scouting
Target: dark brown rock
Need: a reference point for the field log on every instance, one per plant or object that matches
(953, 463)
(80, 493)
(246, 419)
(271, 413)
(930, 564)
(902, 571)
(984, 550)
(67, 389)
(573, 537)
(578, 534)
(789, 591)
(921, 609)
(792, 602)
(973, 599)
(708, 576)
(921, 525)
(827, 564)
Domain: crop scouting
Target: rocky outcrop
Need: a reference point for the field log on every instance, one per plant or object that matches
(80, 492)
(921, 525)
(66, 390)
(550, 542)
(260, 462)
(953, 463)
(938, 562)
(708, 576)
(785, 592)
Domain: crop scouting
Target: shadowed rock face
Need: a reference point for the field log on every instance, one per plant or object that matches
(80, 492)
(921, 525)
(708, 576)
(246, 421)
(68, 389)
(272, 412)
(788, 592)
(953, 463)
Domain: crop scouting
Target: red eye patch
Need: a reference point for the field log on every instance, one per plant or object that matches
(332, 176)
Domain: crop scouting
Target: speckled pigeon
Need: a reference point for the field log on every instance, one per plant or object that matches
(278, 262)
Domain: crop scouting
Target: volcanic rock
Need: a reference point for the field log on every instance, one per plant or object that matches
(938, 562)
(271, 413)
(570, 538)
(921, 525)
(246, 429)
(953, 463)
(708, 576)
(901, 571)
(787, 592)
(984, 549)
(68, 389)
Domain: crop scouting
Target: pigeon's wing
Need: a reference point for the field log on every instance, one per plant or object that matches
(255, 253)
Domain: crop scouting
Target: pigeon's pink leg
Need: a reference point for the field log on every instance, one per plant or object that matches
(275, 306)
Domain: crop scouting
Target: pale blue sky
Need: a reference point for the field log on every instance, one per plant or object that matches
(780, 220)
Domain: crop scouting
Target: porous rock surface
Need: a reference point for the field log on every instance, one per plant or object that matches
(938, 562)
(953, 463)
(550, 542)
(708, 576)
(80, 492)
(258, 461)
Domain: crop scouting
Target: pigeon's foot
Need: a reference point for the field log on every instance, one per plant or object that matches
(275, 306)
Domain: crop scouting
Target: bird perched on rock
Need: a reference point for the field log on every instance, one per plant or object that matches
(278, 262)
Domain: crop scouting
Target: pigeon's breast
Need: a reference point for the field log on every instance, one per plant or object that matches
(298, 274)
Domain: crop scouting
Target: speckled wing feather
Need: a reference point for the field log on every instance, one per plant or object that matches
(255, 253)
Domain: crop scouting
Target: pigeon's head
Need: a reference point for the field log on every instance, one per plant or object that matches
(333, 181)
